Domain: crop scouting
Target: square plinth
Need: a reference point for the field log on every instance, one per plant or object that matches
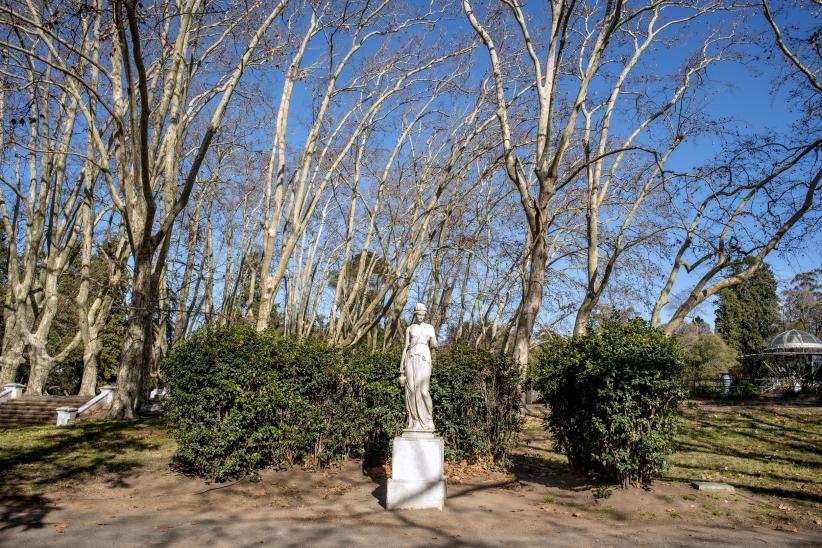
(417, 458)
(417, 479)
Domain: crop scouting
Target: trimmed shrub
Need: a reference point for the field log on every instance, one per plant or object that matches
(240, 401)
(613, 396)
(476, 404)
(226, 402)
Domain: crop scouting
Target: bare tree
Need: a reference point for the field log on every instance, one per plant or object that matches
(577, 36)
(45, 192)
(292, 196)
(743, 207)
(604, 156)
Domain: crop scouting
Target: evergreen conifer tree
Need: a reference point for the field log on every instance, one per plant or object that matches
(747, 314)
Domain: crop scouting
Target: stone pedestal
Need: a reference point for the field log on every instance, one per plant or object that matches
(11, 391)
(417, 479)
(66, 415)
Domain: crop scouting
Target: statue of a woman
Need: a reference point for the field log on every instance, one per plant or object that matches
(415, 372)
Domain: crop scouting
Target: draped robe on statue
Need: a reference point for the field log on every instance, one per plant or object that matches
(419, 338)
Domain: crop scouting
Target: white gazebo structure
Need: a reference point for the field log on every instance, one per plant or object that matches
(793, 358)
(793, 342)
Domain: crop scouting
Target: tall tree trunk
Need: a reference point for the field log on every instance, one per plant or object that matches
(583, 316)
(41, 365)
(88, 384)
(531, 300)
(12, 355)
(137, 341)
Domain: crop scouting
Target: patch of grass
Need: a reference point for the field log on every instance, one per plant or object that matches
(774, 452)
(47, 458)
(535, 442)
(711, 509)
(549, 499)
(602, 493)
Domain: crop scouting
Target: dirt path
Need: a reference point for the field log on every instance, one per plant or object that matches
(342, 508)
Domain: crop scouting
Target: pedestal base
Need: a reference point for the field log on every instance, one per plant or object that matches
(417, 479)
(415, 494)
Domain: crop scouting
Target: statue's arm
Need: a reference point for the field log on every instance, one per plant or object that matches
(404, 351)
(432, 342)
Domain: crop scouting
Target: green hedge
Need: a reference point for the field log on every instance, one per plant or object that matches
(240, 401)
(613, 396)
(476, 404)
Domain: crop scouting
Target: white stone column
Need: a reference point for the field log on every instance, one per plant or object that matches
(109, 391)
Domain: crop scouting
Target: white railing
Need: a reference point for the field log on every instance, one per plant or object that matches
(104, 398)
(68, 415)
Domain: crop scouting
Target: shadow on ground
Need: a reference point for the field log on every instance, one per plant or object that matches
(33, 459)
(377, 475)
(24, 511)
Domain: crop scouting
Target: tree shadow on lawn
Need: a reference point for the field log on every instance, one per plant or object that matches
(765, 452)
(778, 492)
(33, 459)
(759, 429)
(762, 438)
(549, 473)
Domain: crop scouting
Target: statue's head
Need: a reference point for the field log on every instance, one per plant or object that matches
(419, 312)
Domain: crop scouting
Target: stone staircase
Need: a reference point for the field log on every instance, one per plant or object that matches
(35, 410)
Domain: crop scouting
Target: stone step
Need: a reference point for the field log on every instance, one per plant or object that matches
(36, 410)
(50, 421)
(24, 403)
(55, 404)
(50, 399)
(39, 405)
(24, 414)
(28, 413)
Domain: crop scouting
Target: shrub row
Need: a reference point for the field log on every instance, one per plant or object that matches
(476, 404)
(240, 401)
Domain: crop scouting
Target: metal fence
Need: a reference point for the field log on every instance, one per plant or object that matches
(745, 386)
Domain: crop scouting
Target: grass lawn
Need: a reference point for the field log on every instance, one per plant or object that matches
(769, 451)
(772, 456)
(49, 458)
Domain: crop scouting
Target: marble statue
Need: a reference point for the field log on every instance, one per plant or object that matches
(415, 372)
(418, 456)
